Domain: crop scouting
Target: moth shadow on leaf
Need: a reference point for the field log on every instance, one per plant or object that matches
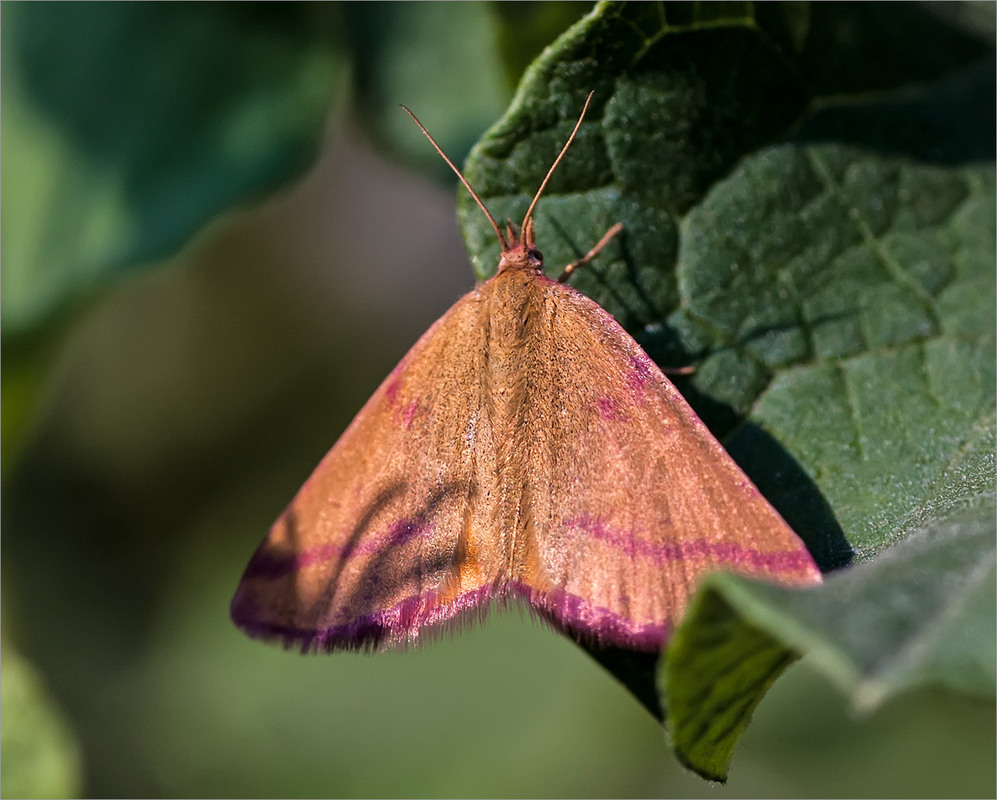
(613, 278)
(369, 572)
(786, 485)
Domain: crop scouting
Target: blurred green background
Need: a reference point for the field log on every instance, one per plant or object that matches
(183, 341)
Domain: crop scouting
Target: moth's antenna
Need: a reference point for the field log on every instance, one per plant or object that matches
(491, 219)
(567, 144)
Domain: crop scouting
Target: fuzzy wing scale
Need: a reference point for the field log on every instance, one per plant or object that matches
(374, 547)
(623, 499)
(633, 499)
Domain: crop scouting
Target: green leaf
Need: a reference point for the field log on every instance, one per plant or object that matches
(822, 254)
(525, 28)
(920, 615)
(134, 124)
(439, 59)
(40, 757)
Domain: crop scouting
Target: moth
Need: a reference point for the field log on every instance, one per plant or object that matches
(526, 448)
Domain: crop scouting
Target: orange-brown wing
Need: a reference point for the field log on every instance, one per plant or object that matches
(632, 499)
(375, 545)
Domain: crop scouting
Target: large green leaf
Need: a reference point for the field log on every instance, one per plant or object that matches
(819, 242)
(128, 126)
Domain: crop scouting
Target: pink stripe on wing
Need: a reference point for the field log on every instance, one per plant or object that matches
(270, 566)
(722, 553)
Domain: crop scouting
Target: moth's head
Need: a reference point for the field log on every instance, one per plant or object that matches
(519, 250)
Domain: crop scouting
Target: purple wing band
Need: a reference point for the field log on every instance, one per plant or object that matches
(790, 561)
(404, 622)
(270, 566)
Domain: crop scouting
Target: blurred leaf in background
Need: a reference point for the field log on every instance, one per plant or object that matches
(135, 124)
(39, 756)
(156, 421)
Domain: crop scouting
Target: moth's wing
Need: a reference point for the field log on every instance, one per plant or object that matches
(633, 499)
(371, 549)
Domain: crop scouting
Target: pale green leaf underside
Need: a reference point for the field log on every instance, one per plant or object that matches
(920, 615)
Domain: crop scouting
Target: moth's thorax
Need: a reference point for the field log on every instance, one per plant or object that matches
(516, 315)
(515, 299)
(513, 314)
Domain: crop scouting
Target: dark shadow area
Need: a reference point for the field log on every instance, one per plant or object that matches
(860, 48)
(718, 416)
(631, 304)
(949, 122)
(375, 542)
(637, 671)
(664, 345)
(384, 561)
(794, 495)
